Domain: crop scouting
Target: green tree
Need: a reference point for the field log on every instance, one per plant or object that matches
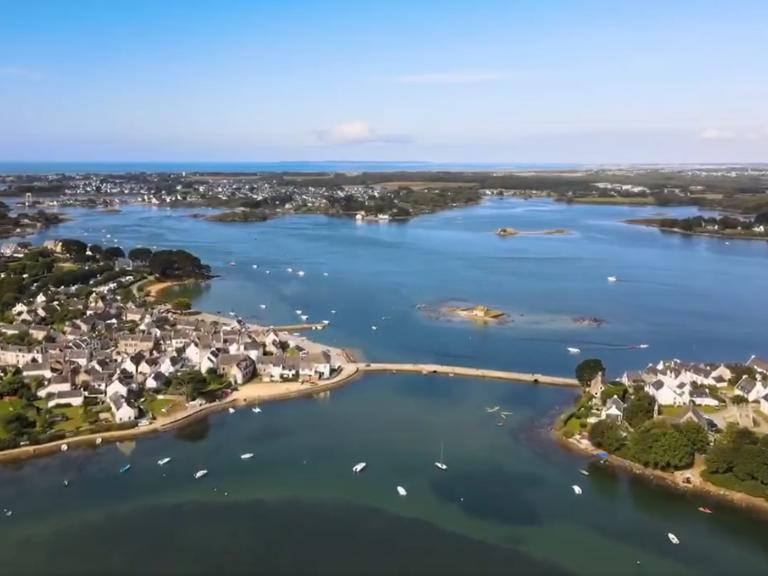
(140, 254)
(113, 253)
(18, 423)
(659, 445)
(606, 434)
(640, 409)
(696, 436)
(73, 247)
(177, 265)
(181, 304)
(588, 369)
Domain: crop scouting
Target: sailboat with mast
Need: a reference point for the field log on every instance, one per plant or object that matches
(439, 463)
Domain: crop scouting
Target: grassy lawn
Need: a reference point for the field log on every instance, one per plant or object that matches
(74, 421)
(162, 406)
(675, 410)
(639, 201)
(8, 406)
(573, 425)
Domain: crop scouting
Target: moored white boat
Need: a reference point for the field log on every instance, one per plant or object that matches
(231, 410)
(357, 468)
(612, 278)
(163, 461)
(584, 472)
(300, 272)
(673, 538)
(401, 491)
(256, 410)
(573, 350)
(200, 474)
(246, 456)
(98, 440)
(304, 317)
(576, 489)
(262, 306)
(64, 447)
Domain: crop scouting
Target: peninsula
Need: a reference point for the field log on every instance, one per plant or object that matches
(695, 425)
(725, 227)
(26, 223)
(244, 215)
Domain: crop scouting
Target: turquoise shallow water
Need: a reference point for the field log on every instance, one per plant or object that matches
(506, 498)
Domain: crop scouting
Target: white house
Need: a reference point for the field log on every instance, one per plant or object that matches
(752, 390)
(54, 388)
(243, 371)
(121, 411)
(67, 397)
(156, 380)
(194, 354)
(764, 404)
(758, 364)
(210, 361)
(117, 387)
(613, 409)
(669, 393)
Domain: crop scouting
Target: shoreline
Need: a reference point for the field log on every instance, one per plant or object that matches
(689, 233)
(669, 479)
(252, 393)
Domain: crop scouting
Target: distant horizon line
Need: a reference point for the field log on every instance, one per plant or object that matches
(415, 162)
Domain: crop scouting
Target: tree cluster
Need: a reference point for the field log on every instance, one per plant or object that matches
(177, 265)
(739, 461)
(655, 444)
(723, 223)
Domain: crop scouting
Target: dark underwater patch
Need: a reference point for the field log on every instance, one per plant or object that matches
(490, 493)
(262, 537)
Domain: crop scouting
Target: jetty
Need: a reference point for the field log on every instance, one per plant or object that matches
(299, 327)
(470, 373)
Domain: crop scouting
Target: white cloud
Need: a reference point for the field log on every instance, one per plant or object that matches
(728, 134)
(717, 134)
(358, 132)
(14, 72)
(450, 78)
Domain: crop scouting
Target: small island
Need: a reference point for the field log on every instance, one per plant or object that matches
(725, 227)
(245, 215)
(513, 232)
(477, 313)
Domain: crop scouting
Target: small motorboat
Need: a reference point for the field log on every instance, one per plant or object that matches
(289, 269)
(163, 461)
(333, 311)
(374, 328)
(705, 510)
(576, 489)
(584, 472)
(64, 447)
(255, 265)
(401, 491)
(256, 410)
(300, 272)
(298, 312)
(304, 317)
(637, 346)
(499, 423)
(326, 322)
(231, 410)
(673, 538)
(200, 474)
(573, 350)
(246, 456)
(98, 440)
(612, 278)
(231, 312)
(262, 306)
(357, 468)
(125, 468)
(326, 273)
(66, 483)
(232, 264)
(441, 466)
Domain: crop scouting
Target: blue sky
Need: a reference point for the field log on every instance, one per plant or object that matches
(472, 81)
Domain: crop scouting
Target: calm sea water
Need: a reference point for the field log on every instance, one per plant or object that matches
(330, 166)
(505, 502)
